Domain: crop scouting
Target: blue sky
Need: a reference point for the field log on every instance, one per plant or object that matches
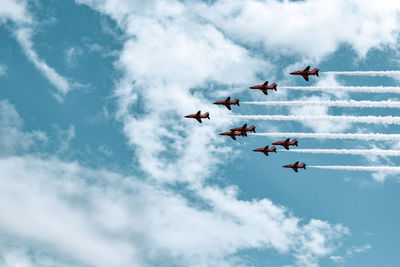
(101, 169)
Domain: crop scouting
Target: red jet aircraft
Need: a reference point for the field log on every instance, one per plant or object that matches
(296, 166)
(306, 72)
(264, 87)
(198, 116)
(286, 143)
(265, 150)
(228, 102)
(243, 130)
(232, 134)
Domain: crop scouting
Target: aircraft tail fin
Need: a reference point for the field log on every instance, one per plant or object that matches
(207, 115)
(252, 129)
(304, 165)
(295, 142)
(236, 102)
(317, 72)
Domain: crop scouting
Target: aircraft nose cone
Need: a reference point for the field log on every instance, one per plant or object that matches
(292, 73)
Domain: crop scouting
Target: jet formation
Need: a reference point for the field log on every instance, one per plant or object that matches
(242, 131)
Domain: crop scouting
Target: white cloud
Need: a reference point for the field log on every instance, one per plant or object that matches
(3, 70)
(351, 252)
(358, 249)
(24, 37)
(17, 12)
(100, 218)
(311, 29)
(12, 137)
(71, 56)
(14, 10)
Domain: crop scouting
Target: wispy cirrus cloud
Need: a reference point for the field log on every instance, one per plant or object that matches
(24, 26)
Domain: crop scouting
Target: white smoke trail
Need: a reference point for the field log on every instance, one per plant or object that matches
(351, 103)
(348, 151)
(357, 136)
(389, 73)
(350, 119)
(357, 89)
(360, 168)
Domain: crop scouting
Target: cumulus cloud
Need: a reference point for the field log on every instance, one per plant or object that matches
(311, 29)
(100, 218)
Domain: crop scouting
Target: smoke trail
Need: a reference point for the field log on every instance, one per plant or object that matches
(357, 89)
(360, 168)
(351, 103)
(390, 73)
(348, 151)
(351, 119)
(357, 136)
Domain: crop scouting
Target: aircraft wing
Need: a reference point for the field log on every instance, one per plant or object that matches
(233, 137)
(305, 77)
(286, 146)
(199, 119)
(265, 91)
(295, 169)
(307, 69)
(228, 106)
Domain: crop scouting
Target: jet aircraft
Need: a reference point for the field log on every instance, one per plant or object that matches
(306, 72)
(232, 134)
(295, 166)
(198, 116)
(265, 87)
(227, 102)
(243, 130)
(265, 150)
(287, 143)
